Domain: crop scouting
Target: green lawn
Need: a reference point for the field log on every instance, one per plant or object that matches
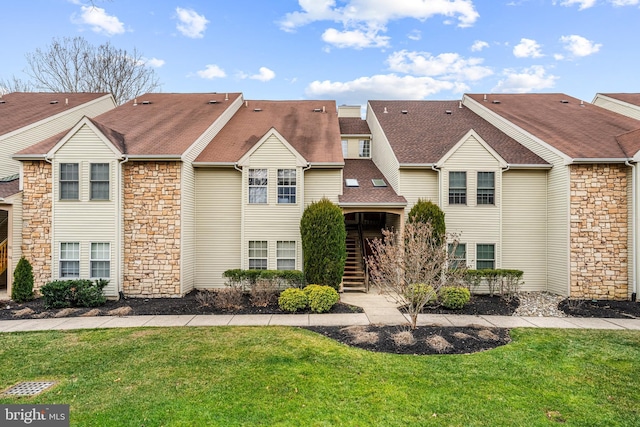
(286, 376)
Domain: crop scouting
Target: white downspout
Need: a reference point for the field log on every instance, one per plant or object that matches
(437, 169)
(501, 210)
(53, 228)
(119, 232)
(634, 213)
(242, 196)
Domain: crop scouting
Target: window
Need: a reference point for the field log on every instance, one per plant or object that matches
(365, 148)
(486, 188)
(99, 181)
(345, 148)
(69, 260)
(286, 185)
(257, 186)
(286, 255)
(100, 260)
(485, 257)
(257, 255)
(457, 188)
(69, 184)
(460, 255)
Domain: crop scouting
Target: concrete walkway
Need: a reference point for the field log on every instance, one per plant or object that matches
(378, 310)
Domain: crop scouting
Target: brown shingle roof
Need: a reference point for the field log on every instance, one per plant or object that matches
(314, 135)
(581, 131)
(631, 98)
(426, 132)
(9, 187)
(353, 126)
(364, 170)
(160, 123)
(21, 109)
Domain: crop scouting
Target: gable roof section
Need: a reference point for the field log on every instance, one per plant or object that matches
(21, 109)
(582, 131)
(629, 98)
(9, 186)
(426, 132)
(155, 124)
(464, 140)
(364, 170)
(353, 126)
(300, 161)
(314, 134)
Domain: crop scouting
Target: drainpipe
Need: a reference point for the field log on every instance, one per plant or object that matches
(501, 210)
(437, 169)
(53, 228)
(634, 214)
(119, 227)
(242, 195)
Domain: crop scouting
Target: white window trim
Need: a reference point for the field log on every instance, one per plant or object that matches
(265, 258)
(91, 260)
(265, 186)
(293, 178)
(61, 181)
(478, 259)
(62, 260)
(92, 181)
(286, 258)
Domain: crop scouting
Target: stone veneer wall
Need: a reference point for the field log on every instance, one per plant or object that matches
(36, 219)
(152, 229)
(598, 240)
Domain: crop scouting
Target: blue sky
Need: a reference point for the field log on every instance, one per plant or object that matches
(351, 50)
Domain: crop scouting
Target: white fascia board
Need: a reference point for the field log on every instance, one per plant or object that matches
(463, 141)
(84, 121)
(300, 161)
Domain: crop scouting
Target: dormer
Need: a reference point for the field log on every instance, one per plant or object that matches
(355, 133)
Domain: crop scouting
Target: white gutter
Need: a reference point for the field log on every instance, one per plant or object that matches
(597, 160)
(634, 235)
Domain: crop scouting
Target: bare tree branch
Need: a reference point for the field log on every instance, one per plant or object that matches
(14, 84)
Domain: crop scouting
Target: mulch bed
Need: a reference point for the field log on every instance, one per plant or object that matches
(480, 305)
(600, 308)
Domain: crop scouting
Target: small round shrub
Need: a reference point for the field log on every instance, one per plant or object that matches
(454, 297)
(321, 298)
(419, 294)
(292, 300)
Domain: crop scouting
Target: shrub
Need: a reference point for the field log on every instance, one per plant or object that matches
(321, 298)
(22, 289)
(77, 293)
(229, 298)
(57, 294)
(454, 297)
(420, 294)
(428, 212)
(88, 294)
(323, 243)
(293, 299)
(205, 298)
(246, 279)
(263, 293)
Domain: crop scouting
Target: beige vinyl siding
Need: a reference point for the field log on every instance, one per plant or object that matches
(475, 224)
(524, 226)
(418, 184)
(189, 195)
(632, 234)
(217, 225)
(617, 106)
(557, 199)
(353, 147)
(381, 152)
(86, 221)
(319, 183)
(20, 139)
(15, 236)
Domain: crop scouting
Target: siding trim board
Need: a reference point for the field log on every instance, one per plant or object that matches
(463, 141)
(300, 161)
(74, 130)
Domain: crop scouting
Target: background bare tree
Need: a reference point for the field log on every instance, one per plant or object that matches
(412, 266)
(74, 65)
(14, 84)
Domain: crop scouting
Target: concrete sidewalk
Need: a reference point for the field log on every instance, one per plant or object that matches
(378, 310)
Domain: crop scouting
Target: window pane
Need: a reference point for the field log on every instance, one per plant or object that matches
(69, 259)
(345, 148)
(486, 188)
(69, 188)
(100, 181)
(286, 185)
(258, 186)
(286, 255)
(460, 256)
(258, 255)
(457, 188)
(365, 148)
(485, 255)
(100, 269)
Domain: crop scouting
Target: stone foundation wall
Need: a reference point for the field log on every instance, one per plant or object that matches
(36, 219)
(599, 230)
(152, 229)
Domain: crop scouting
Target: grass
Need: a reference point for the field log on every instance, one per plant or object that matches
(285, 376)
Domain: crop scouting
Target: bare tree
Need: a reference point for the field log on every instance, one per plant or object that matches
(14, 84)
(413, 265)
(74, 65)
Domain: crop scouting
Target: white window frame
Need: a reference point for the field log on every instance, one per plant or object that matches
(98, 259)
(456, 259)
(287, 184)
(458, 194)
(69, 182)
(345, 148)
(364, 148)
(479, 260)
(486, 195)
(93, 182)
(286, 255)
(258, 186)
(69, 257)
(258, 252)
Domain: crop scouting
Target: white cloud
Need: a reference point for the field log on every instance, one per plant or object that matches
(211, 72)
(264, 75)
(448, 66)
(624, 2)
(582, 4)
(191, 24)
(356, 38)
(478, 45)
(415, 35)
(527, 48)
(530, 79)
(100, 21)
(363, 20)
(382, 86)
(558, 56)
(154, 62)
(580, 46)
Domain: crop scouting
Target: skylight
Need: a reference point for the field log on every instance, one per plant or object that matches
(352, 182)
(378, 182)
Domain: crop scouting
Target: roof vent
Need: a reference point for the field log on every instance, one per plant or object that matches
(582, 103)
(485, 97)
(226, 96)
(213, 101)
(66, 101)
(460, 104)
(2, 101)
(385, 110)
(257, 110)
(404, 112)
(146, 102)
(317, 110)
(495, 101)
(564, 101)
(53, 102)
(447, 112)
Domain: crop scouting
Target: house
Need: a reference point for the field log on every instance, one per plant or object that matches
(24, 119)
(163, 194)
(627, 104)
